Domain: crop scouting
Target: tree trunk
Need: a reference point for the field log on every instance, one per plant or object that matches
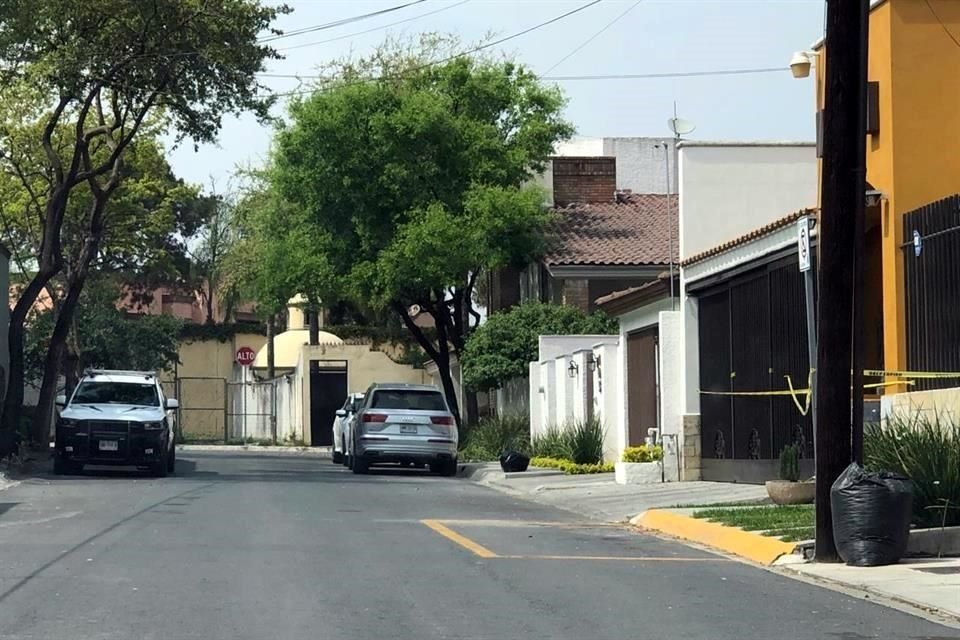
(13, 404)
(314, 325)
(271, 355)
(40, 429)
(439, 353)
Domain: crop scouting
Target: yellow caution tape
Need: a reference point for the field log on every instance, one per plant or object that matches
(803, 408)
(880, 373)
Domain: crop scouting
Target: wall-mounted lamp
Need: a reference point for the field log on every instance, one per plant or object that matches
(573, 369)
(593, 362)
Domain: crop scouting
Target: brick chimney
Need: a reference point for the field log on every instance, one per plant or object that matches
(584, 180)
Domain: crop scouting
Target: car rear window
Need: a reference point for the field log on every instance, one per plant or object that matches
(103, 392)
(408, 399)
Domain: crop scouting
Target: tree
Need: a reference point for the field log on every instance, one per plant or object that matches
(95, 72)
(410, 175)
(208, 264)
(502, 347)
(145, 224)
(107, 337)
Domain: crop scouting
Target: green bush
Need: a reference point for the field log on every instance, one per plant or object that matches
(926, 449)
(790, 463)
(571, 468)
(486, 440)
(586, 441)
(503, 346)
(553, 443)
(643, 453)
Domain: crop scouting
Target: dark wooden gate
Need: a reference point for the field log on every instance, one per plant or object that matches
(752, 332)
(931, 258)
(642, 401)
(328, 390)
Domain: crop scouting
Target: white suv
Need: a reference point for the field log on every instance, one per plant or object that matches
(116, 418)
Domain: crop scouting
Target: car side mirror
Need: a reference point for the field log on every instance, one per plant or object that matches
(61, 400)
(341, 413)
(173, 403)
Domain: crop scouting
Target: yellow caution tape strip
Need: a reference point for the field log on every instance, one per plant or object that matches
(880, 373)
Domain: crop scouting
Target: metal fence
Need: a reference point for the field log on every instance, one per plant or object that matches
(931, 257)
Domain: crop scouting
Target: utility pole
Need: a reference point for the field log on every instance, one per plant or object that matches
(842, 200)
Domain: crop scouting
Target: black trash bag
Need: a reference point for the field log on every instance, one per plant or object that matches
(511, 461)
(871, 516)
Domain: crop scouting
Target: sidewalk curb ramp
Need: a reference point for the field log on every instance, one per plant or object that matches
(754, 547)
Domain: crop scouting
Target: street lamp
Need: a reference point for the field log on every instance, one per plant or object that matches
(801, 62)
(573, 369)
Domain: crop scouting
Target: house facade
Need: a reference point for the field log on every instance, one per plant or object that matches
(913, 239)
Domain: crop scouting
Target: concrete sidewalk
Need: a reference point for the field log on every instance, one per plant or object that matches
(932, 585)
(278, 449)
(597, 496)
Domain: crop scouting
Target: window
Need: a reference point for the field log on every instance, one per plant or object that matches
(103, 392)
(408, 399)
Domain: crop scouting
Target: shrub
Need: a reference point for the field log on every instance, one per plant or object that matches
(553, 443)
(486, 440)
(926, 449)
(790, 463)
(586, 441)
(643, 453)
(571, 468)
(503, 346)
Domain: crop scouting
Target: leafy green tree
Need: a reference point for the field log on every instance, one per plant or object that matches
(145, 224)
(94, 74)
(503, 346)
(408, 174)
(107, 337)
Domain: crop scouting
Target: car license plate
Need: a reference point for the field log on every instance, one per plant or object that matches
(408, 428)
(109, 445)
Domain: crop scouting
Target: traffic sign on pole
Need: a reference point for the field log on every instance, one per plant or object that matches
(246, 356)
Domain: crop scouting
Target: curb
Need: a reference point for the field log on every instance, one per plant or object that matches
(312, 452)
(756, 548)
(901, 603)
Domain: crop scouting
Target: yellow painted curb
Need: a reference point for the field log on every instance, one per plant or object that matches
(761, 549)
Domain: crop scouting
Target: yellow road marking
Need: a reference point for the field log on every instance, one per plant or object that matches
(463, 541)
(618, 558)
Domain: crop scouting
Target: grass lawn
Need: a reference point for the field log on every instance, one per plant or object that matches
(790, 522)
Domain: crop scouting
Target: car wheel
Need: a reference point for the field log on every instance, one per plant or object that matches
(159, 468)
(360, 464)
(66, 468)
(172, 459)
(444, 467)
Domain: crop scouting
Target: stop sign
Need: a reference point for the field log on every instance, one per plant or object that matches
(246, 356)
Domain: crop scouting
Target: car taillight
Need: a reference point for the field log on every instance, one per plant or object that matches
(374, 417)
(447, 420)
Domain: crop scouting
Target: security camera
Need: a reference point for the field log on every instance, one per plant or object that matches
(800, 64)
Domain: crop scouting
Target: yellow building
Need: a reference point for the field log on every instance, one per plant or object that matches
(913, 229)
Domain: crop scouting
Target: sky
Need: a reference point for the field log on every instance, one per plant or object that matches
(643, 37)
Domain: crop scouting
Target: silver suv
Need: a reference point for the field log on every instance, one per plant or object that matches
(116, 418)
(406, 424)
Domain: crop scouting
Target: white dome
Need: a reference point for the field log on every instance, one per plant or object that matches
(287, 346)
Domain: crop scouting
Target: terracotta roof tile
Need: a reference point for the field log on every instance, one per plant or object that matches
(634, 231)
(747, 237)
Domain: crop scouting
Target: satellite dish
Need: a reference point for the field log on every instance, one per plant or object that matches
(680, 127)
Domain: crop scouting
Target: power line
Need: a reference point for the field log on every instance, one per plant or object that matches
(380, 28)
(339, 23)
(593, 37)
(622, 76)
(476, 49)
(942, 24)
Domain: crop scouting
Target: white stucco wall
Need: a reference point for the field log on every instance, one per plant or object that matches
(670, 375)
(730, 189)
(607, 401)
(551, 347)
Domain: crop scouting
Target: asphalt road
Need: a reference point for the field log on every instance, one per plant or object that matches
(268, 547)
